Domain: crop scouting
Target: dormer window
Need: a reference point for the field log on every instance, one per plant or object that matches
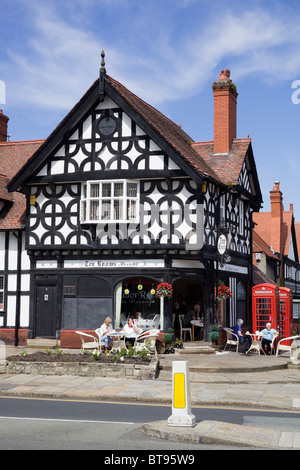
(109, 201)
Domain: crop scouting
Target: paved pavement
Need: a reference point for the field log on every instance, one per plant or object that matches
(226, 379)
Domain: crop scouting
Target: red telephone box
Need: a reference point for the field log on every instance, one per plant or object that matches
(286, 312)
(265, 306)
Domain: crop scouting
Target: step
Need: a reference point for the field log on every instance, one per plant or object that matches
(42, 343)
(195, 350)
(196, 347)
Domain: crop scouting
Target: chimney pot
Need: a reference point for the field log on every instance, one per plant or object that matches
(225, 74)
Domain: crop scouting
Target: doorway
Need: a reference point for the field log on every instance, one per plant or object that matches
(46, 311)
(188, 292)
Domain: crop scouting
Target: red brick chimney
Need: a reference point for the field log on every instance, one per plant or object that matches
(3, 126)
(276, 218)
(225, 97)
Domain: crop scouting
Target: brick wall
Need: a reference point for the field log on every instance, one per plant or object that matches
(3, 127)
(276, 218)
(7, 335)
(70, 339)
(225, 99)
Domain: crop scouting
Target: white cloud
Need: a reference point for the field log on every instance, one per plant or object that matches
(64, 60)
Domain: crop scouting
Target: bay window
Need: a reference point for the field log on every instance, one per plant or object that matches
(109, 201)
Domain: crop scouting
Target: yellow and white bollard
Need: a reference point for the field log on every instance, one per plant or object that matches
(181, 400)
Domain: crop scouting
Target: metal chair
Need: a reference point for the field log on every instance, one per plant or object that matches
(286, 347)
(232, 338)
(147, 340)
(184, 329)
(156, 321)
(101, 343)
(86, 342)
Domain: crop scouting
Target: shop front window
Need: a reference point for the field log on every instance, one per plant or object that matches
(136, 297)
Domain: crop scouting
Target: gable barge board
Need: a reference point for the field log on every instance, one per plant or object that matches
(90, 98)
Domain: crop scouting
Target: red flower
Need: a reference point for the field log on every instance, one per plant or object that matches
(223, 293)
(164, 290)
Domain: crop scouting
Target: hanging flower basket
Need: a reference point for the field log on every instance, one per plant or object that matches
(164, 290)
(223, 293)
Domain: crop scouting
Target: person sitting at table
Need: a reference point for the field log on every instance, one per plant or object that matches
(237, 330)
(194, 315)
(267, 336)
(105, 328)
(131, 331)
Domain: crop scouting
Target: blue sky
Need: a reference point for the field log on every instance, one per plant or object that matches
(169, 52)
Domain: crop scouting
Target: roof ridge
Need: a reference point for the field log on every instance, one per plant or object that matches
(21, 142)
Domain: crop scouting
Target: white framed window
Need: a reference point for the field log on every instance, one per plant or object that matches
(109, 201)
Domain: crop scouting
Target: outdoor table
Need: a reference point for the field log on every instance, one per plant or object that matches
(117, 337)
(256, 342)
(197, 323)
(144, 323)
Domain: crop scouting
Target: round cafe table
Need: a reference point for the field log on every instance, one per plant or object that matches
(118, 339)
(196, 323)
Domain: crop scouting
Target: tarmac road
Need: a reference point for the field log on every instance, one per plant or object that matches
(230, 379)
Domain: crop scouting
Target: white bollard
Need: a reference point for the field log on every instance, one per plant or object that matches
(181, 399)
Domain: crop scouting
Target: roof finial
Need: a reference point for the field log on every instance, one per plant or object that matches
(102, 69)
(102, 77)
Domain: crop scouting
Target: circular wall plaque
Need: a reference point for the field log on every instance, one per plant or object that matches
(107, 125)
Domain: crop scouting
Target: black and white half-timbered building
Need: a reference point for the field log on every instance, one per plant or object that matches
(119, 199)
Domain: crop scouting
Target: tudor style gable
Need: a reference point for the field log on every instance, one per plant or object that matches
(118, 172)
(101, 180)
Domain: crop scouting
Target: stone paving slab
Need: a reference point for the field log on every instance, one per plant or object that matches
(219, 433)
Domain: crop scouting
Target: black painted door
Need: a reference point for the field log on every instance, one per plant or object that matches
(46, 311)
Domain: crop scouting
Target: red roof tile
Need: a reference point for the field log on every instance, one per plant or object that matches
(13, 155)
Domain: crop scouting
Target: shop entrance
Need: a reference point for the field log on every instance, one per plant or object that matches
(188, 292)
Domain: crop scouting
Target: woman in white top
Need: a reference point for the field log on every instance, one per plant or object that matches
(105, 328)
(131, 331)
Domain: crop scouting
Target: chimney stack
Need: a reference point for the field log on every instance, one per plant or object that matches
(276, 218)
(225, 98)
(3, 126)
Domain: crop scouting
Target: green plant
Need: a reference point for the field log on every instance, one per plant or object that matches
(167, 338)
(143, 353)
(214, 333)
(178, 343)
(59, 351)
(23, 353)
(131, 351)
(95, 355)
(233, 87)
(48, 351)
